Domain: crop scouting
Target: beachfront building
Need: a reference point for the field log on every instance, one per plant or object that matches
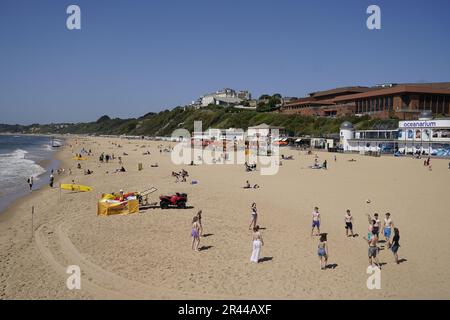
(265, 130)
(426, 136)
(405, 101)
(225, 97)
(212, 134)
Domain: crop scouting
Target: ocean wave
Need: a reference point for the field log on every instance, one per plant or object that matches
(15, 168)
(48, 147)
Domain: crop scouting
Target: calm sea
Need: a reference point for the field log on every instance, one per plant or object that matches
(20, 158)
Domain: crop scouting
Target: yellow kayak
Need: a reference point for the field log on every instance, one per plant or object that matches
(76, 187)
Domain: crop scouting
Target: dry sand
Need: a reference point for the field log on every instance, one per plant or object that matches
(148, 255)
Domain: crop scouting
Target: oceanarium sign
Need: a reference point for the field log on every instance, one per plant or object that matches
(425, 124)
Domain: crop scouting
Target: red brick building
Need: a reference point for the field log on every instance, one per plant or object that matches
(405, 101)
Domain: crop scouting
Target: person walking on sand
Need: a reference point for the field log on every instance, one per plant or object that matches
(195, 233)
(52, 180)
(388, 225)
(322, 251)
(395, 244)
(254, 217)
(199, 215)
(348, 223)
(258, 242)
(30, 182)
(373, 250)
(315, 221)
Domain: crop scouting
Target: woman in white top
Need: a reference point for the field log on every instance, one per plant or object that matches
(258, 242)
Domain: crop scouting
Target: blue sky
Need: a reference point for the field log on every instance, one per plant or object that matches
(134, 56)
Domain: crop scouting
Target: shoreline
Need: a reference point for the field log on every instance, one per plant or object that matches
(148, 255)
(56, 160)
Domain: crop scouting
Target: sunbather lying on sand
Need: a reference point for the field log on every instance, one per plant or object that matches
(248, 186)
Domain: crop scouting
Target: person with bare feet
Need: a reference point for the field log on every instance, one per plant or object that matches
(322, 251)
(199, 215)
(373, 250)
(394, 244)
(388, 225)
(315, 221)
(195, 233)
(375, 226)
(254, 217)
(348, 223)
(258, 242)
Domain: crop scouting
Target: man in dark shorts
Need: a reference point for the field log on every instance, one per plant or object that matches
(348, 223)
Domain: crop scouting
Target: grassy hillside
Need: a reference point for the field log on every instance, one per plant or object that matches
(165, 122)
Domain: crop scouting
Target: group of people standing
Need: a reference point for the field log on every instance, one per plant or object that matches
(375, 225)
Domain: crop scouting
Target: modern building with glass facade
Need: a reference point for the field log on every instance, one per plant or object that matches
(426, 136)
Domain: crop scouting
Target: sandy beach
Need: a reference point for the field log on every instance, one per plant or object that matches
(148, 255)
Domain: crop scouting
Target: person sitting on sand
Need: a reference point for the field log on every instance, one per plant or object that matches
(122, 169)
(324, 165)
(256, 186)
(394, 244)
(348, 223)
(352, 160)
(254, 216)
(195, 233)
(176, 175)
(79, 165)
(257, 242)
(315, 221)
(322, 251)
(247, 185)
(183, 175)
